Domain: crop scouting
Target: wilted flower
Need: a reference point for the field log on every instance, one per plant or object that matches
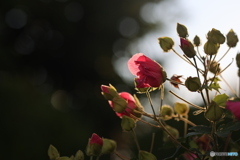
(130, 104)
(149, 73)
(175, 81)
(234, 107)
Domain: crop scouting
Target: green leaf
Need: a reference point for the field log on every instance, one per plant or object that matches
(214, 112)
(225, 129)
(53, 153)
(201, 128)
(144, 155)
(221, 99)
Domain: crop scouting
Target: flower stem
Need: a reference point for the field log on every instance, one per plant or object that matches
(191, 104)
(121, 156)
(152, 143)
(135, 138)
(151, 104)
(224, 55)
(194, 59)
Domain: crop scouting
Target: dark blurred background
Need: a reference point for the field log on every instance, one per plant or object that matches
(54, 55)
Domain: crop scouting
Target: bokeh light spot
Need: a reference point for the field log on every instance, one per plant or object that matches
(128, 27)
(61, 100)
(16, 18)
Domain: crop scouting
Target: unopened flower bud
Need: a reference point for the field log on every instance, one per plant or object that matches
(238, 60)
(53, 153)
(214, 112)
(196, 41)
(193, 84)
(94, 145)
(166, 43)
(109, 92)
(211, 48)
(181, 108)
(144, 155)
(215, 36)
(79, 155)
(214, 67)
(173, 131)
(109, 146)
(232, 38)
(128, 124)
(187, 48)
(119, 104)
(166, 112)
(182, 31)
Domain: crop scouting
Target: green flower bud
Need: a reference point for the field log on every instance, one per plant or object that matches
(215, 36)
(79, 155)
(182, 30)
(166, 43)
(53, 153)
(128, 124)
(193, 84)
(232, 39)
(109, 92)
(166, 112)
(181, 108)
(238, 60)
(144, 155)
(119, 104)
(173, 131)
(211, 48)
(214, 112)
(196, 41)
(109, 146)
(214, 67)
(187, 48)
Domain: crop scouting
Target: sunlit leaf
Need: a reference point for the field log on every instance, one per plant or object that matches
(221, 99)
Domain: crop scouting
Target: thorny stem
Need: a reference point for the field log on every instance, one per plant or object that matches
(200, 82)
(191, 104)
(121, 156)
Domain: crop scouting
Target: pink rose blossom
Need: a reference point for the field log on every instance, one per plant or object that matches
(131, 104)
(149, 73)
(95, 139)
(234, 107)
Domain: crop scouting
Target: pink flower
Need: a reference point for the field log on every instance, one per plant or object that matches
(149, 73)
(131, 104)
(95, 139)
(234, 107)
